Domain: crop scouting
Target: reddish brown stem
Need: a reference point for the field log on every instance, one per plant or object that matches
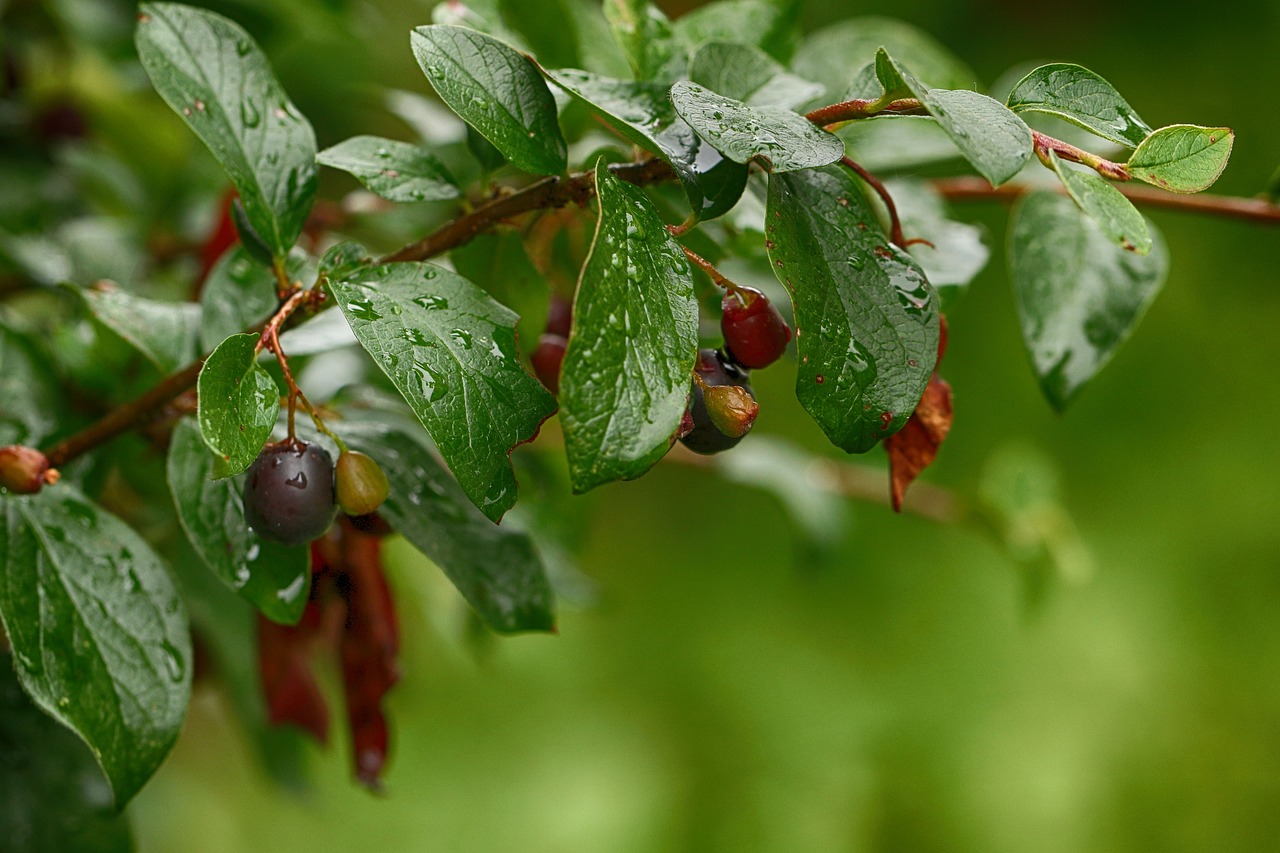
(863, 108)
(1106, 168)
(707, 267)
(895, 224)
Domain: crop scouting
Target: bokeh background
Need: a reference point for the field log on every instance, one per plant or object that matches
(916, 686)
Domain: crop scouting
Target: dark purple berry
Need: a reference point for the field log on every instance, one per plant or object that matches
(715, 370)
(288, 493)
(754, 332)
(559, 316)
(547, 359)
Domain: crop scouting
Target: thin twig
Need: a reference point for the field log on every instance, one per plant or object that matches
(895, 224)
(1044, 143)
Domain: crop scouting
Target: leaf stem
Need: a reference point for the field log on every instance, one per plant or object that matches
(895, 224)
(707, 267)
(863, 108)
(1044, 143)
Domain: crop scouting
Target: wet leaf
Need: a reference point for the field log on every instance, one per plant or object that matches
(164, 332)
(780, 138)
(397, 171)
(55, 797)
(237, 404)
(625, 379)
(496, 569)
(1106, 205)
(450, 350)
(647, 38)
(98, 632)
(773, 27)
(750, 75)
(272, 577)
(1183, 158)
(497, 90)
(1081, 97)
(214, 76)
(866, 317)
(30, 397)
(1079, 295)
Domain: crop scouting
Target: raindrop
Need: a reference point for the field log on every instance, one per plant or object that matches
(292, 591)
(415, 337)
(243, 47)
(462, 337)
(173, 661)
(363, 309)
(298, 481)
(431, 385)
(431, 302)
(249, 115)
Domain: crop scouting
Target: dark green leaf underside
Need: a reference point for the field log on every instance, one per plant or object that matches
(1106, 205)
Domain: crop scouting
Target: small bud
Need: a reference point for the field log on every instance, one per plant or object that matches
(24, 470)
(362, 484)
(731, 408)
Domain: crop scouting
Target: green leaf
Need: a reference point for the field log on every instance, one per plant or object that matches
(1273, 187)
(498, 91)
(832, 54)
(644, 114)
(625, 379)
(164, 332)
(1183, 158)
(237, 295)
(866, 318)
(55, 797)
(272, 577)
(1106, 205)
(397, 171)
(29, 393)
(550, 27)
(647, 38)
(496, 569)
(237, 404)
(212, 74)
(1079, 295)
(499, 263)
(450, 350)
(98, 632)
(771, 27)
(750, 75)
(1081, 97)
(783, 140)
(958, 252)
(342, 260)
(994, 140)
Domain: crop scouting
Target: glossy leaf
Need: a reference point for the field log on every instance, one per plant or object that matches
(497, 90)
(30, 397)
(450, 350)
(750, 75)
(782, 139)
(237, 404)
(397, 171)
(1183, 158)
(770, 26)
(496, 569)
(272, 577)
(54, 796)
(98, 632)
(343, 260)
(866, 318)
(164, 332)
(500, 264)
(994, 140)
(644, 114)
(1081, 97)
(1079, 295)
(647, 38)
(833, 54)
(1106, 205)
(237, 295)
(216, 78)
(625, 379)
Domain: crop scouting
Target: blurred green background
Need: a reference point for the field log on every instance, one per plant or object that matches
(918, 689)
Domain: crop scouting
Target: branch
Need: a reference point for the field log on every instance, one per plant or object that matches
(1230, 207)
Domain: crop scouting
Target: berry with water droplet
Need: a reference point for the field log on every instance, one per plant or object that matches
(361, 483)
(288, 493)
(705, 436)
(547, 359)
(755, 334)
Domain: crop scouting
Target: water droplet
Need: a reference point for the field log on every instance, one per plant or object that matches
(249, 115)
(293, 590)
(199, 105)
(363, 309)
(462, 337)
(173, 661)
(298, 481)
(431, 302)
(857, 261)
(242, 576)
(243, 47)
(430, 384)
(415, 337)
(255, 551)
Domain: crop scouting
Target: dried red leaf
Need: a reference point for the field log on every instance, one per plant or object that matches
(370, 646)
(914, 447)
(222, 237)
(284, 667)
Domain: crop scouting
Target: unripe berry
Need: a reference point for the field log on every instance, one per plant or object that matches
(288, 493)
(755, 334)
(547, 359)
(23, 470)
(361, 483)
(705, 436)
(732, 409)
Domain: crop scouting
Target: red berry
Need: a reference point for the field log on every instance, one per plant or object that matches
(755, 334)
(705, 436)
(547, 359)
(24, 470)
(559, 316)
(288, 493)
